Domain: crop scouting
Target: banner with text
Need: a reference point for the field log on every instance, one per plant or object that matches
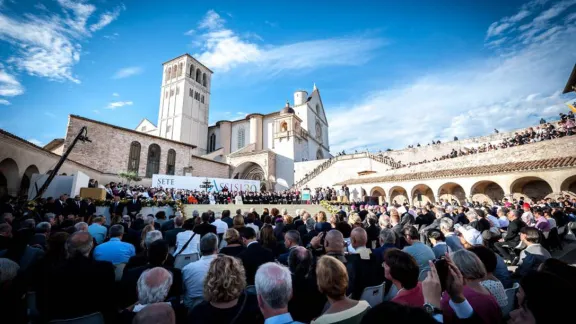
(204, 183)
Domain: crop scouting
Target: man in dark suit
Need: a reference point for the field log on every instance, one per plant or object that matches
(117, 207)
(157, 256)
(134, 206)
(205, 227)
(365, 266)
(75, 287)
(170, 235)
(512, 237)
(60, 204)
(87, 208)
(291, 241)
(387, 240)
(254, 256)
(73, 206)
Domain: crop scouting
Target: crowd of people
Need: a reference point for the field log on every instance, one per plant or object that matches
(439, 263)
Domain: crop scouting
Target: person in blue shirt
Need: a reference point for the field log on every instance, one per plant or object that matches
(97, 230)
(115, 251)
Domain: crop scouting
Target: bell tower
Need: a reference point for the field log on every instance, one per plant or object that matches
(185, 102)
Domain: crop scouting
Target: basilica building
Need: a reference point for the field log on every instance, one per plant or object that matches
(259, 146)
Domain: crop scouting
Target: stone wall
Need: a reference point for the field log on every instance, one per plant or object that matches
(418, 154)
(559, 147)
(206, 168)
(110, 147)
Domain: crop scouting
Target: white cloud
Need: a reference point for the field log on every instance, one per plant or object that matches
(48, 44)
(96, 111)
(190, 32)
(127, 72)
(271, 24)
(117, 104)
(466, 99)
(211, 20)
(49, 114)
(35, 141)
(115, 94)
(223, 49)
(105, 19)
(9, 86)
(4, 102)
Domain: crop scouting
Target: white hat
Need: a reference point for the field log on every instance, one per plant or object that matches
(471, 235)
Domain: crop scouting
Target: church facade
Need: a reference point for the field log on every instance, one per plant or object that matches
(262, 147)
(258, 147)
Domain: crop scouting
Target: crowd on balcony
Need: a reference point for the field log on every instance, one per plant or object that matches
(360, 264)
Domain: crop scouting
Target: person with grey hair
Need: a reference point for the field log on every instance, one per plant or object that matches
(274, 290)
(50, 218)
(41, 236)
(221, 226)
(81, 227)
(194, 273)
(67, 284)
(291, 241)
(452, 240)
(153, 287)
(28, 224)
(309, 224)
(115, 251)
(387, 239)
(8, 270)
(480, 298)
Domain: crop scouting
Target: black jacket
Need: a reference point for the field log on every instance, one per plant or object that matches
(513, 231)
(204, 229)
(118, 210)
(75, 288)
(87, 210)
(132, 207)
(253, 257)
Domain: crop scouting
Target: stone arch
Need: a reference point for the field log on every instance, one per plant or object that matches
(192, 69)
(204, 80)
(198, 76)
(251, 171)
(421, 195)
(9, 177)
(319, 154)
(171, 162)
(487, 191)
(283, 126)
(27, 178)
(168, 74)
(452, 191)
(378, 194)
(569, 185)
(531, 188)
(398, 194)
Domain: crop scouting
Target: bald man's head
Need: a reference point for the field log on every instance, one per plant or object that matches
(153, 285)
(160, 313)
(358, 237)
(79, 244)
(334, 241)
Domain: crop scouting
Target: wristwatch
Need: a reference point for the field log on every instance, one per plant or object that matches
(431, 309)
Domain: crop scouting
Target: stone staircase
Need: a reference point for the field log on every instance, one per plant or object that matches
(328, 163)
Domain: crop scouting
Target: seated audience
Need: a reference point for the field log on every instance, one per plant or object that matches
(333, 282)
(233, 243)
(493, 284)
(440, 248)
(483, 303)
(225, 299)
(187, 241)
(97, 230)
(269, 240)
(530, 237)
(421, 252)
(274, 290)
(159, 313)
(307, 302)
(170, 235)
(255, 254)
(291, 241)
(115, 251)
(402, 270)
(194, 273)
(61, 284)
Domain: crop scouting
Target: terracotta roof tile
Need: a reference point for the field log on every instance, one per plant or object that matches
(553, 163)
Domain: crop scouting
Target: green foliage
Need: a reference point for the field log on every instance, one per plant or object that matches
(129, 176)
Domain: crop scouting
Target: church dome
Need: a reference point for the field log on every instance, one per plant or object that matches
(287, 109)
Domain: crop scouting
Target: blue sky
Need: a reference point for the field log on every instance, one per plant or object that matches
(391, 73)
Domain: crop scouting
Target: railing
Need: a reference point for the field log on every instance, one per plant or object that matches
(326, 164)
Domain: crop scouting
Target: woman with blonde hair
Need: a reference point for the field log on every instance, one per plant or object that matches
(145, 230)
(238, 222)
(225, 299)
(233, 243)
(332, 279)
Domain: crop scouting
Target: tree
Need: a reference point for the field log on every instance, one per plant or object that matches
(129, 176)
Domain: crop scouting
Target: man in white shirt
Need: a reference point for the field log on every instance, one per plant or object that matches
(194, 273)
(221, 226)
